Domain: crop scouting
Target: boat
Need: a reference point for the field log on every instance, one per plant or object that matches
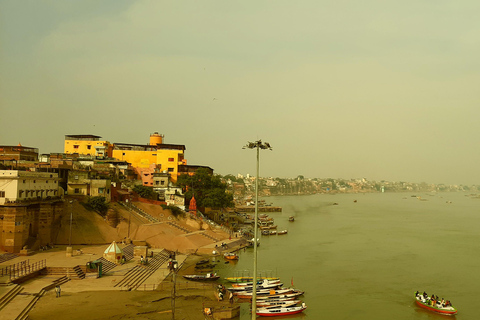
(278, 303)
(291, 218)
(262, 285)
(424, 301)
(281, 311)
(262, 282)
(273, 232)
(202, 262)
(247, 294)
(268, 227)
(295, 293)
(282, 232)
(248, 279)
(230, 256)
(202, 277)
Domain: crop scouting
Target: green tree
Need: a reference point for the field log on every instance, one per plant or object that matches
(145, 192)
(209, 190)
(97, 204)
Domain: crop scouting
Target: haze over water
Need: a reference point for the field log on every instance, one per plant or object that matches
(365, 259)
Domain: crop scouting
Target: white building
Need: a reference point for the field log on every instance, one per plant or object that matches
(17, 186)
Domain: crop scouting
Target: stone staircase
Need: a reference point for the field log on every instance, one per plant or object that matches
(19, 309)
(74, 273)
(128, 252)
(107, 265)
(10, 294)
(133, 208)
(173, 224)
(138, 274)
(206, 235)
(7, 256)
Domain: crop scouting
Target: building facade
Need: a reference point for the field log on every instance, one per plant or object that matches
(87, 144)
(22, 186)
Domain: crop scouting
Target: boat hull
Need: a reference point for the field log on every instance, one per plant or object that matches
(280, 311)
(442, 311)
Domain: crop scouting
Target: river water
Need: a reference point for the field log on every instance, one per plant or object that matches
(365, 259)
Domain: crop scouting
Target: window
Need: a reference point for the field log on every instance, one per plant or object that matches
(76, 146)
(162, 182)
(170, 169)
(24, 181)
(101, 190)
(89, 147)
(2, 194)
(156, 183)
(76, 177)
(77, 190)
(171, 159)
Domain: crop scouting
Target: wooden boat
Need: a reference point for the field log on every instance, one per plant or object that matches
(262, 285)
(295, 293)
(268, 227)
(426, 302)
(248, 279)
(291, 218)
(202, 277)
(273, 232)
(281, 311)
(202, 262)
(266, 232)
(282, 232)
(274, 302)
(230, 256)
(261, 293)
(259, 282)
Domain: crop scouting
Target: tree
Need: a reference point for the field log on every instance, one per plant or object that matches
(209, 190)
(145, 192)
(97, 204)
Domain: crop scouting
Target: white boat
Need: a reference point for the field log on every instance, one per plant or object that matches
(281, 311)
(262, 282)
(269, 303)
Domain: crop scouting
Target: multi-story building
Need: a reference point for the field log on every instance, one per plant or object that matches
(87, 183)
(31, 206)
(18, 153)
(165, 157)
(87, 144)
(20, 186)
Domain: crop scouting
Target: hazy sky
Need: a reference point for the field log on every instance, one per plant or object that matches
(341, 89)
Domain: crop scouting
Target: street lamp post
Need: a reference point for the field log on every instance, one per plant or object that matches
(256, 145)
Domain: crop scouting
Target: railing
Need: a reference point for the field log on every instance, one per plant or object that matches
(22, 268)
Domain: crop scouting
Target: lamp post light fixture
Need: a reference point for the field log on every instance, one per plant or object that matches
(256, 145)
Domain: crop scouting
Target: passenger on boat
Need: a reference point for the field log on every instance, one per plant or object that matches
(443, 302)
(425, 295)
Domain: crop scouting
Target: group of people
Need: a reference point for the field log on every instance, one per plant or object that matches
(433, 300)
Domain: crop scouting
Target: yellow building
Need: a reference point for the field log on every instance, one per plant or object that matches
(87, 144)
(166, 157)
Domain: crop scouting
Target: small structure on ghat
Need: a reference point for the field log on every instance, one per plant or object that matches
(113, 253)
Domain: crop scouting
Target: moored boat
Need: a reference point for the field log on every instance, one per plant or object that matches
(248, 279)
(247, 294)
(291, 218)
(262, 282)
(277, 302)
(282, 232)
(295, 293)
(434, 304)
(230, 256)
(202, 277)
(281, 311)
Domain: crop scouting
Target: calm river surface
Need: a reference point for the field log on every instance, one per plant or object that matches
(365, 259)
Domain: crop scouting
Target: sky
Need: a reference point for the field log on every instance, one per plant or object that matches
(375, 89)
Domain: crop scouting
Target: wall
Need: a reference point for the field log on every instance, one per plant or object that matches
(35, 223)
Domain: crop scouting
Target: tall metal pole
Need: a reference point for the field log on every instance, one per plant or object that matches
(254, 293)
(256, 145)
(71, 218)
